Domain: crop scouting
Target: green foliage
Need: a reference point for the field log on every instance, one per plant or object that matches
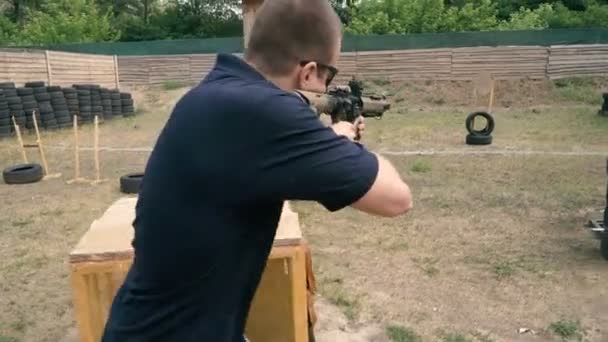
(8, 31)
(421, 166)
(527, 19)
(577, 89)
(397, 333)
(66, 21)
(417, 16)
(566, 329)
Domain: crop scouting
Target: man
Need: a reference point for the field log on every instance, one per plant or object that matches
(234, 149)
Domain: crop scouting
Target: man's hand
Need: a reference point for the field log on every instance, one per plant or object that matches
(351, 131)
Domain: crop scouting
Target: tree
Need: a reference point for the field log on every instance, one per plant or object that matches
(67, 21)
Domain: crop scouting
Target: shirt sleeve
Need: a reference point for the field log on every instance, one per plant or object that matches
(302, 159)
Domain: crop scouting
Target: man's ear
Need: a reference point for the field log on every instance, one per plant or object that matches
(307, 73)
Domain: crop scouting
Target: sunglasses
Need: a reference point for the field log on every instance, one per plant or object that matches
(332, 71)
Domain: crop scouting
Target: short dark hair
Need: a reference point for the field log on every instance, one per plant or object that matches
(286, 32)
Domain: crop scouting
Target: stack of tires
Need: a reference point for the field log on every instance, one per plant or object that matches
(5, 119)
(127, 104)
(479, 137)
(43, 103)
(15, 108)
(37, 89)
(60, 107)
(116, 102)
(71, 99)
(29, 106)
(96, 104)
(84, 103)
(106, 103)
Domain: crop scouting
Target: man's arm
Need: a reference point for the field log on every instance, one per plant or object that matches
(389, 196)
(301, 159)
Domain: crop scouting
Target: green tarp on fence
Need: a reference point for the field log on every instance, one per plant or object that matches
(354, 43)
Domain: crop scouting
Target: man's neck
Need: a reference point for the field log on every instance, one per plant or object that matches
(283, 82)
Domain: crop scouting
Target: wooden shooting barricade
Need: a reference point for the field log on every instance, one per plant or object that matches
(282, 309)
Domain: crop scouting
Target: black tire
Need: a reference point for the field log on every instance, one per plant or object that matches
(51, 89)
(469, 123)
(73, 103)
(5, 85)
(46, 117)
(85, 109)
(35, 84)
(57, 94)
(63, 120)
(10, 92)
(4, 114)
(30, 105)
(125, 95)
(5, 129)
(25, 91)
(13, 100)
(128, 109)
(41, 90)
(45, 107)
(5, 121)
(604, 248)
(16, 107)
(23, 174)
(71, 97)
(43, 97)
(127, 102)
(28, 98)
(131, 183)
(60, 107)
(59, 113)
(478, 139)
(82, 91)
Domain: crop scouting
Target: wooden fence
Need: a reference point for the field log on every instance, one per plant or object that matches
(507, 62)
(58, 68)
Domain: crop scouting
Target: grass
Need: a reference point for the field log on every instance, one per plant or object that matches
(578, 89)
(454, 337)
(420, 165)
(504, 270)
(427, 265)
(7, 339)
(349, 306)
(172, 85)
(397, 333)
(567, 329)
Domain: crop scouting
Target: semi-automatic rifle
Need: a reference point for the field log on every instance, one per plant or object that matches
(347, 103)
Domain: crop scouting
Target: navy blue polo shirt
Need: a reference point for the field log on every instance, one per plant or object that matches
(233, 150)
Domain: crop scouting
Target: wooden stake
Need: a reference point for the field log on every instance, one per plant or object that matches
(41, 150)
(96, 148)
(96, 152)
(77, 177)
(491, 98)
(20, 139)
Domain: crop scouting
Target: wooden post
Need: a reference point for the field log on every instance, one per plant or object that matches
(38, 142)
(96, 152)
(96, 149)
(76, 150)
(48, 67)
(491, 97)
(116, 75)
(249, 8)
(18, 131)
(77, 177)
(41, 150)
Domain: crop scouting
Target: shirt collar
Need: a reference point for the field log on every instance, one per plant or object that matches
(231, 64)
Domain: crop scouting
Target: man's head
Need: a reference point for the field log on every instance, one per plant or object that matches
(297, 42)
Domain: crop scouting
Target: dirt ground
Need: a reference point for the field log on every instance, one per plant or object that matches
(494, 244)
